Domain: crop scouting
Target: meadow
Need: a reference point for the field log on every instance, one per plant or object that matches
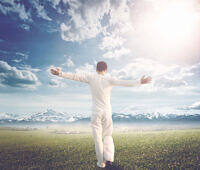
(40, 149)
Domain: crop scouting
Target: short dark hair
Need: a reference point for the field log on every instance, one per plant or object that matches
(101, 66)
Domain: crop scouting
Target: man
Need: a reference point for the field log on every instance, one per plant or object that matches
(101, 118)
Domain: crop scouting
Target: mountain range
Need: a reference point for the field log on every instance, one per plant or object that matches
(51, 116)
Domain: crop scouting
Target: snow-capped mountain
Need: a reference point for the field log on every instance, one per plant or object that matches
(51, 116)
(47, 116)
(155, 116)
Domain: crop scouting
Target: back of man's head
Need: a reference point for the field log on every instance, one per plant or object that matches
(101, 66)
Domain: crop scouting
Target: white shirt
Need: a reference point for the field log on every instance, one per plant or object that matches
(100, 87)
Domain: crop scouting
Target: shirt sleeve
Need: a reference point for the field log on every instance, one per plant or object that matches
(82, 77)
(126, 83)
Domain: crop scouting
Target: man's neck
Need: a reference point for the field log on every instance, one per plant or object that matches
(101, 73)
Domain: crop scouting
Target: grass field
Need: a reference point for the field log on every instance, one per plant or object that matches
(38, 149)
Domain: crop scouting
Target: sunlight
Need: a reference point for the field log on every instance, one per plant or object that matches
(166, 30)
(176, 22)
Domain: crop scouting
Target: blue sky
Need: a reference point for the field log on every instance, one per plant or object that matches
(135, 38)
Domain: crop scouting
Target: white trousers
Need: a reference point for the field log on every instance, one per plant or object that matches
(102, 128)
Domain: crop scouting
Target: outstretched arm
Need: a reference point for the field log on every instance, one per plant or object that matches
(130, 83)
(72, 76)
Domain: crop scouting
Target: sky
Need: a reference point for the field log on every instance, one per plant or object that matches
(135, 37)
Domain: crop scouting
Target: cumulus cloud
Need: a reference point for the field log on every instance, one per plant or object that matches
(193, 70)
(111, 42)
(86, 68)
(56, 83)
(29, 68)
(85, 19)
(13, 77)
(131, 25)
(89, 18)
(117, 53)
(120, 14)
(69, 63)
(194, 106)
(164, 76)
(166, 82)
(11, 6)
(138, 67)
(119, 24)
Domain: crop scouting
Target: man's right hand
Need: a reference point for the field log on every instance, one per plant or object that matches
(55, 71)
(144, 80)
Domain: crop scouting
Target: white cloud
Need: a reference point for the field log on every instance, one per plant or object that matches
(139, 67)
(129, 25)
(54, 2)
(85, 21)
(193, 70)
(166, 82)
(15, 7)
(25, 27)
(119, 13)
(111, 41)
(163, 76)
(13, 77)
(119, 24)
(17, 60)
(117, 53)
(194, 106)
(24, 55)
(89, 18)
(95, 62)
(87, 68)
(29, 68)
(69, 63)
(19, 57)
(41, 12)
(56, 83)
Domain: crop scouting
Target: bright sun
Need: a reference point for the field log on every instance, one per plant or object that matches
(166, 29)
(177, 21)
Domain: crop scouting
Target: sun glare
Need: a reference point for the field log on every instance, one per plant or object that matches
(177, 21)
(168, 30)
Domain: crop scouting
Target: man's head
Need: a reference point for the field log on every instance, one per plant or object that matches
(101, 67)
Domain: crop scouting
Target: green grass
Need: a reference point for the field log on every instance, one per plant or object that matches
(139, 150)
